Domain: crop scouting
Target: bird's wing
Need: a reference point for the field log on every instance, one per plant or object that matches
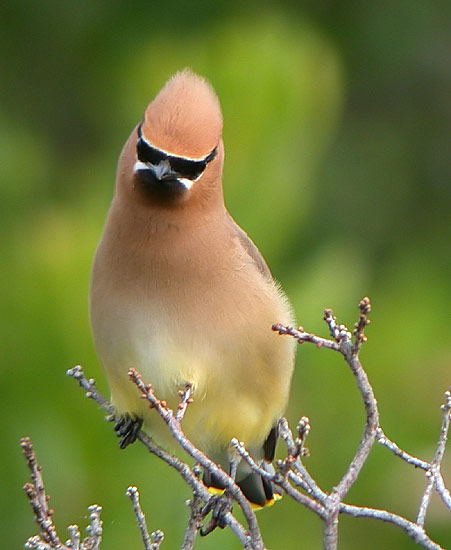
(269, 446)
(252, 250)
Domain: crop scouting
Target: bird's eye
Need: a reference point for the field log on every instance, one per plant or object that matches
(180, 167)
(185, 168)
(191, 169)
(146, 153)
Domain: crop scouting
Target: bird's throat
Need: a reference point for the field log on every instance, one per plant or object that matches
(165, 192)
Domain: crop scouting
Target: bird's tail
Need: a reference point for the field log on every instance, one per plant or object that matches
(258, 490)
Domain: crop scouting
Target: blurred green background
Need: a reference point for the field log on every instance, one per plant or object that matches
(337, 133)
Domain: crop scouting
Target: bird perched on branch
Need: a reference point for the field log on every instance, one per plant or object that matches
(180, 292)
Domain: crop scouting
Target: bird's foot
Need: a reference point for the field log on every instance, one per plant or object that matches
(220, 505)
(127, 428)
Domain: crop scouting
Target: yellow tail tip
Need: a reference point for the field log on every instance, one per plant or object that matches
(267, 504)
(218, 492)
(215, 491)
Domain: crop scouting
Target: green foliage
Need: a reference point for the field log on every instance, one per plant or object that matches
(337, 164)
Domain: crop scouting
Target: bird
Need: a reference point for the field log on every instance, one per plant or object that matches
(180, 292)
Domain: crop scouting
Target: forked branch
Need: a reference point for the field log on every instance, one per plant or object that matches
(333, 504)
(291, 474)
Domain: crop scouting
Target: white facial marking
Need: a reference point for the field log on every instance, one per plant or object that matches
(139, 166)
(187, 184)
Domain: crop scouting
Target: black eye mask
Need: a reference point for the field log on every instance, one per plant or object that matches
(180, 166)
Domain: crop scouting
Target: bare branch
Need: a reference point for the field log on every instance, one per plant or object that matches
(443, 491)
(383, 440)
(251, 540)
(95, 528)
(279, 480)
(49, 540)
(194, 523)
(435, 465)
(343, 344)
(185, 400)
(292, 477)
(350, 352)
(182, 468)
(91, 390)
(332, 503)
(133, 493)
(300, 476)
(359, 327)
(36, 543)
(229, 483)
(372, 417)
(295, 447)
(415, 531)
(432, 469)
(302, 336)
(75, 537)
(154, 540)
(38, 499)
(157, 538)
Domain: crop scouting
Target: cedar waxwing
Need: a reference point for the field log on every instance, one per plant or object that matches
(180, 292)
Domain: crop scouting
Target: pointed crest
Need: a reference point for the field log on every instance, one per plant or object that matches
(185, 117)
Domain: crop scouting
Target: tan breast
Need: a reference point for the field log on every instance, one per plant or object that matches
(194, 310)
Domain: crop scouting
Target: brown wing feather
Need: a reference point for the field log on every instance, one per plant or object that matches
(252, 250)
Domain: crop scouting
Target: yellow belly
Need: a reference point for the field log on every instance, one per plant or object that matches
(240, 376)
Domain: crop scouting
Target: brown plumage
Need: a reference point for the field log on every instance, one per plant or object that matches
(192, 126)
(181, 293)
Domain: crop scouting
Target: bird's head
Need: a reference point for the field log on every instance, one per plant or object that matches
(177, 148)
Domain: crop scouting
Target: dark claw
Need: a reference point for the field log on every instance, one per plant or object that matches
(220, 506)
(223, 506)
(127, 428)
(209, 528)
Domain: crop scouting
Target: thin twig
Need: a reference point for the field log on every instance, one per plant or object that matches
(228, 482)
(182, 468)
(415, 531)
(249, 540)
(157, 538)
(436, 462)
(38, 498)
(342, 342)
(386, 442)
(36, 543)
(437, 478)
(95, 528)
(194, 523)
(133, 493)
(279, 480)
(75, 537)
(185, 400)
(300, 476)
(295, 447)
(302, 336)
(292, 476)
(372, 418)
(443, 491)
(49, 539)
(359, 327)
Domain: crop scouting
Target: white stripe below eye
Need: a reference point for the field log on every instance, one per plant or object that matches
(187, 184)
(139, 166)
